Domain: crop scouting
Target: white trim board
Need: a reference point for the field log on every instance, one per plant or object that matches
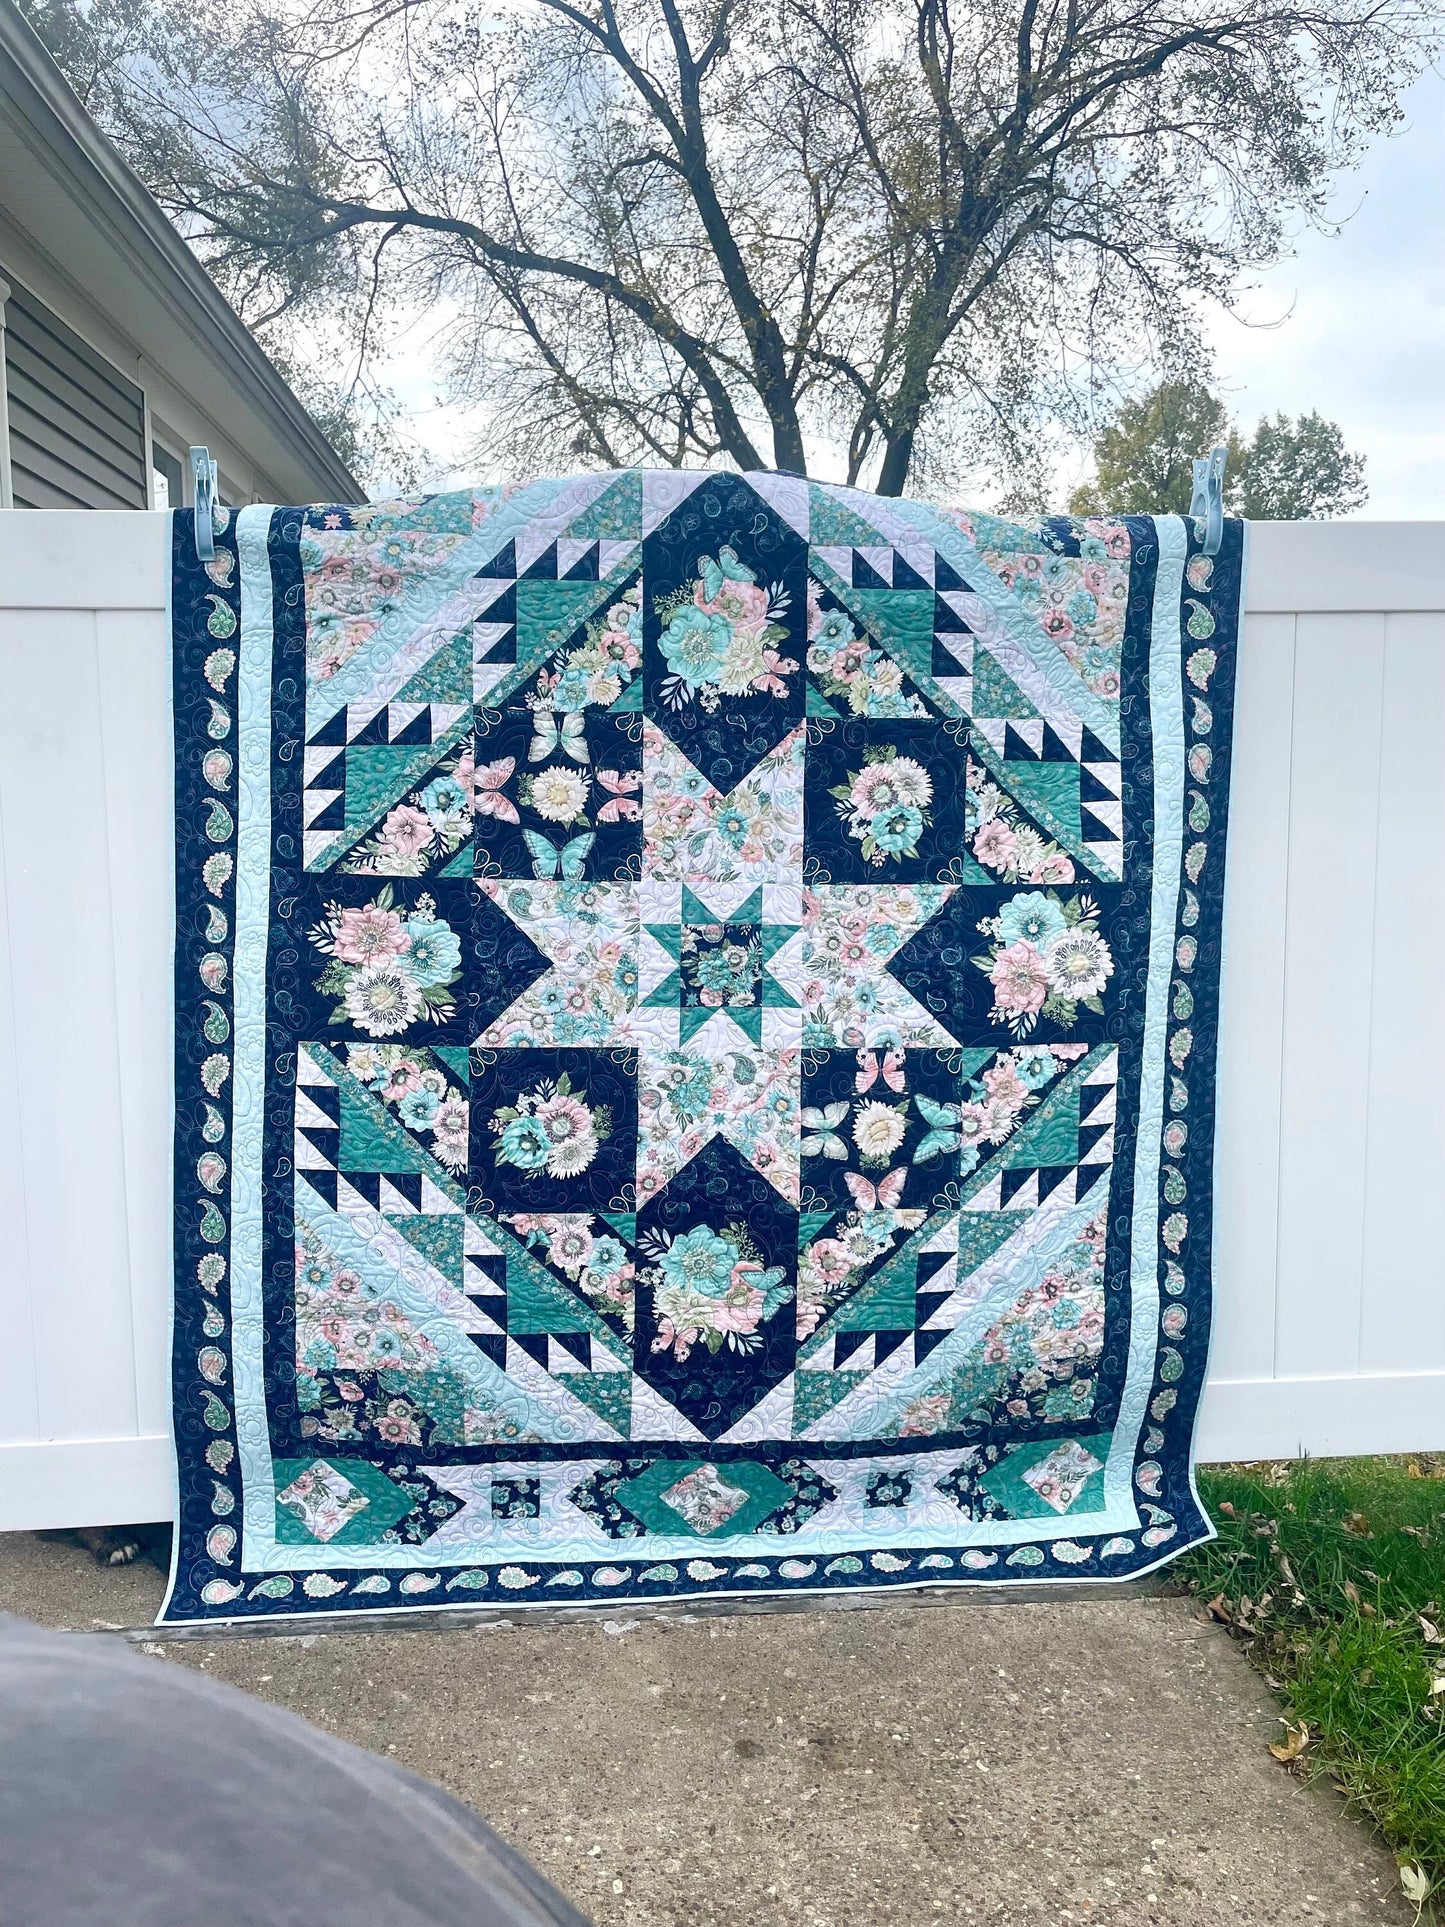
(85, 1482)
(127, 1481)
(1282, 1418)
(1294, 567)
(1306, 568)
(54, 558)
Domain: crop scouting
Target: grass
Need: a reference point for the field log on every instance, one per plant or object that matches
(1332, 1574)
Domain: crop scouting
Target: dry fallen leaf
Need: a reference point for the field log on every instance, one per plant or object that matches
(1437, 1685)
(1296, 1739)
(1433, 1634)
(1415, 1882)
(1226, 1508)
(1352, 1592)
(1218, 1608)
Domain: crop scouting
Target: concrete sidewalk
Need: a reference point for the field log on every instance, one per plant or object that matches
(1100, 1762)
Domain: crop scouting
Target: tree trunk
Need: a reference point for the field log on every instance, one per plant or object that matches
(788, 455)
(897, 460)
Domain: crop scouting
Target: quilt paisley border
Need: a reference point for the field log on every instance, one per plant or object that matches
(207, 1584)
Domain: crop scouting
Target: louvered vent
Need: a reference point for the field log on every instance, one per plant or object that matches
(77, 427)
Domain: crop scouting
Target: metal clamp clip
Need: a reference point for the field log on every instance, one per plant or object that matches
(1207, 502)
(205, 499)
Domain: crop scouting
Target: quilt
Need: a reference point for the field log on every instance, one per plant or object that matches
(695, 1031)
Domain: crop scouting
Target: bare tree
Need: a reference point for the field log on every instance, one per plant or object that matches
(921, 232)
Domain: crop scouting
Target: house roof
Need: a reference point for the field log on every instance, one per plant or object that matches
(66, 186)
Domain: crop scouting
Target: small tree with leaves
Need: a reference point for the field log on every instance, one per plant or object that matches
(1297, 471)
(1143, 459)
(1287, 472)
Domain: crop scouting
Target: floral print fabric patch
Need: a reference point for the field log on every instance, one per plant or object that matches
(696, 1005)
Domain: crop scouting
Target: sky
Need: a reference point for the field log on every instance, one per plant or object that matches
(1352, 325)
(1359, 320)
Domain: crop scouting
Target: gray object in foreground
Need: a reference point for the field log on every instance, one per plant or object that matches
(138, 1794)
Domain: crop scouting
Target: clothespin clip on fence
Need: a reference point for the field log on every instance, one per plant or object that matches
(1207, 502)
(205, 498)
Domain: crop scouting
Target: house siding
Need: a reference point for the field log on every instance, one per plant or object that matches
(77, 426)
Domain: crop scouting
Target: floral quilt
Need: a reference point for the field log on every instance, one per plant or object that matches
(695, 1023)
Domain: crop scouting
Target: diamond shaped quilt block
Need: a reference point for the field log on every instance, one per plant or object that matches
(724, 629)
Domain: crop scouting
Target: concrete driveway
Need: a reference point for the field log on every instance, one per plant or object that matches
(909, 1766)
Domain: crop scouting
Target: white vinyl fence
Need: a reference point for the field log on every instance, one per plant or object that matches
(1330, 1300)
